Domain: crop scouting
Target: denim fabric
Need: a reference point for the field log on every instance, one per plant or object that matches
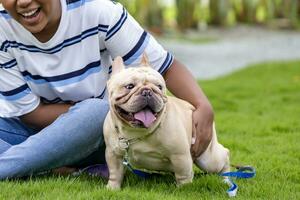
(4, 146)
(75, 137)
(13, 131)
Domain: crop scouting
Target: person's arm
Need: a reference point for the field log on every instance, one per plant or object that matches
(44, 115)
(182, 84)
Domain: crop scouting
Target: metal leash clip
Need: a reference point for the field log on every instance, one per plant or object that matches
(123, 143)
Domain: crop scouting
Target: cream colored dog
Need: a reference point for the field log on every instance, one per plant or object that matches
(152, 131)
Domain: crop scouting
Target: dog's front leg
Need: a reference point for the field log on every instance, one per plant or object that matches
(183, 168)
(116, 169)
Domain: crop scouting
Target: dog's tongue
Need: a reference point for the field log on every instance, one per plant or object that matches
(145, 116)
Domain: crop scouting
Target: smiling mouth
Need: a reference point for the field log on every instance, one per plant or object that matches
(143, 118)
(31, 14)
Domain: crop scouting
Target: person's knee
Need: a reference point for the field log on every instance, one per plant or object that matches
(93, 108)
(92, 113)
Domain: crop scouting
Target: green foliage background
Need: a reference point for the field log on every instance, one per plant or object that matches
(190, 14)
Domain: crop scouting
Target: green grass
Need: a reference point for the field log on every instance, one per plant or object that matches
(258, 119)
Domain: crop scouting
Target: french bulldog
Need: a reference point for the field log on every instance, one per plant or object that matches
(150, 130)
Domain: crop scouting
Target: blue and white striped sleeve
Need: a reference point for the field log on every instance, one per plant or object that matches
(16, 98)
(126, 38)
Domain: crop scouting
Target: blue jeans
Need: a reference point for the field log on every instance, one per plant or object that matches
(75, 138)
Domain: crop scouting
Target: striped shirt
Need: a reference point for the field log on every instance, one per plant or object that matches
(75, 63)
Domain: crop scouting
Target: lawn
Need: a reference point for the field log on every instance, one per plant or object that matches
(258, 118)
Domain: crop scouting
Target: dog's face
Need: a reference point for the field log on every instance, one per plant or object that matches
(137, 95)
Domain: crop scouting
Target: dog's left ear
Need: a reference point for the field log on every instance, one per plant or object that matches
(145, 60)
(117, 65)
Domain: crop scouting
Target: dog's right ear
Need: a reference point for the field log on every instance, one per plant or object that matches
(145, 60)
(117, 65)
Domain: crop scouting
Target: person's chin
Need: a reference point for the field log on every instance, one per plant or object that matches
(33, 27)
(34, 30)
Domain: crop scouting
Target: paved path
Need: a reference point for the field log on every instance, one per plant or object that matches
(235, 49)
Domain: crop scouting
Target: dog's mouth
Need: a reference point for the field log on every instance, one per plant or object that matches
(143, 118)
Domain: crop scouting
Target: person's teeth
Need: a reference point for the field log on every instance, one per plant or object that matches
(28, 14)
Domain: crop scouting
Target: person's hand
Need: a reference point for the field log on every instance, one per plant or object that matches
(203, 118)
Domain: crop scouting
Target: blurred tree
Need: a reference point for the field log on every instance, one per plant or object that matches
(270, 7)
(290, 10)
(286, 13)
(202, 14)
(265, 11)
(248, 11)
(146, 12)
(219, 10)
(278, 8)
(238, 8)
(298, 9)
(149, 13)
(186, 13)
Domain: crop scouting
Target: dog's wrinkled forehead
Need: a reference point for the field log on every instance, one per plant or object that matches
(143, 74)
(138, 74)
(147, 73)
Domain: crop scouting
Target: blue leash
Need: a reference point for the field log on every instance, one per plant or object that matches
(244, 172)
(139, 173)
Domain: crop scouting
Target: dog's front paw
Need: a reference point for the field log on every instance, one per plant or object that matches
(113, 185)
(183, 182)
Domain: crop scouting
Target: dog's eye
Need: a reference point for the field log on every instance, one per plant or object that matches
(160, 87)
(129, 86)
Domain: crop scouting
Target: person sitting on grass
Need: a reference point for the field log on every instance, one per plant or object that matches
(55, 60)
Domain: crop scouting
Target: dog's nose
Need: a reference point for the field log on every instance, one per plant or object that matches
(146, 93)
